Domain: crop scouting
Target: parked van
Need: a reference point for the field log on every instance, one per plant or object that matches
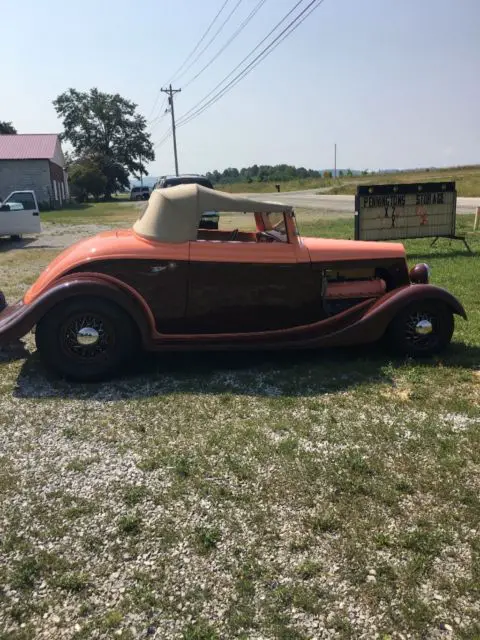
(19, 214)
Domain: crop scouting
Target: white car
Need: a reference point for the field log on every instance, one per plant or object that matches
(19, 214)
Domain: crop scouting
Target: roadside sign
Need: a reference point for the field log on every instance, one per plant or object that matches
(419, 210)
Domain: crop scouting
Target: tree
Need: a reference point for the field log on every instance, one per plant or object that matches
(108, 129)
(7, 127)
(86, 177)
(327, 174)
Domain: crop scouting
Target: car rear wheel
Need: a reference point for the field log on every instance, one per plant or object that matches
(86, 339)
(422, 329)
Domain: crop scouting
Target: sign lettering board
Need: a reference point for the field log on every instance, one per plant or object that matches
(420, 210)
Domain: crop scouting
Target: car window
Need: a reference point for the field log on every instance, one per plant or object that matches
(275, 226)
(173, 182)
(12, 206)
(232, 226)
(21, 201)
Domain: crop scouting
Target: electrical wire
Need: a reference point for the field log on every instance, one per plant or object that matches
(229, 41)
(154, 124)
(162, 141)
(187, 114)
(187, 59)
(290, 28)
(220, 28)
(194, 50)
(160, 111)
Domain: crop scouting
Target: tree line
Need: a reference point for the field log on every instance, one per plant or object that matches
(269, 173)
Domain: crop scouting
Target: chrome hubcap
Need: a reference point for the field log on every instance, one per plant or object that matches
(88, 336)
(420, 330)
(423, 327)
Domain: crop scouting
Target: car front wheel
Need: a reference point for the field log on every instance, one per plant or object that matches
(86, 339)
(422, 329)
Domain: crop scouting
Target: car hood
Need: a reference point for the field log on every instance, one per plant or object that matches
(331, 250)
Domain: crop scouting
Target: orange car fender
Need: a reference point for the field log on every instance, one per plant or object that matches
(383, 311)
(86, 284)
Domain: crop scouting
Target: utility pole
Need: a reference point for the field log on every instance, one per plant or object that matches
(171, 92)
(335, 162)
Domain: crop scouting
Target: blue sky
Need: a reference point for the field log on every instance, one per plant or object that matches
(395, 83)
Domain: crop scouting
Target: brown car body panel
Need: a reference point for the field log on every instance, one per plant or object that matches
(363, 323)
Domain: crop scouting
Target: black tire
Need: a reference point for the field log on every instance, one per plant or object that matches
(16, 237)
(56, 339)
(402, 334)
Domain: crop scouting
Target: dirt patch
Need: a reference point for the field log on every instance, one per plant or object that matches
(55, 236)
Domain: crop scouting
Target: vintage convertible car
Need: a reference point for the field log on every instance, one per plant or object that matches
(168, 285)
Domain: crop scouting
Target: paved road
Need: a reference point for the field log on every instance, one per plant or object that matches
(311, 199)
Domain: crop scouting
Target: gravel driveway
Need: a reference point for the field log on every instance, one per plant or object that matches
(279, 497)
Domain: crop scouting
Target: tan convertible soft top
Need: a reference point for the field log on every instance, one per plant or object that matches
(173, 214)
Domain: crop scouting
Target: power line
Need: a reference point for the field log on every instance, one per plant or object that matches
(229, 41)
(187, 114)
(163, 140)
(188, 58)
(159, 118)
(194, 50)
(199, 55)
(161, 112)
(290, 28)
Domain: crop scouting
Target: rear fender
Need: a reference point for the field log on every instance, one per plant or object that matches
(22, 317)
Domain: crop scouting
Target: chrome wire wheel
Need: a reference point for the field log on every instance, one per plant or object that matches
(420, 330)
(86, 337)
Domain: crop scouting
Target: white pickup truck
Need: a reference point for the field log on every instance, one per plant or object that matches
(19, 214)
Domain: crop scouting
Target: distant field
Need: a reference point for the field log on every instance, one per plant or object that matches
(467, 179)
(268, 187)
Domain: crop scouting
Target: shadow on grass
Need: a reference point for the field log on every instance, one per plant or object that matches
(275, 374)
(8, 244)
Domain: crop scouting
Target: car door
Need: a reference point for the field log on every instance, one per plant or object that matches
(19, 214)
(241, 287)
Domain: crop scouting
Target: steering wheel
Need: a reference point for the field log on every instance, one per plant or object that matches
(234, 235)
(263, 236)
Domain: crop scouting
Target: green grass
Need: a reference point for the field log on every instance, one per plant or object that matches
(249, 495)
(116, 212)
(467, 179)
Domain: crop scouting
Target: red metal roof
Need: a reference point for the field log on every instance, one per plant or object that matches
(28, 146)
